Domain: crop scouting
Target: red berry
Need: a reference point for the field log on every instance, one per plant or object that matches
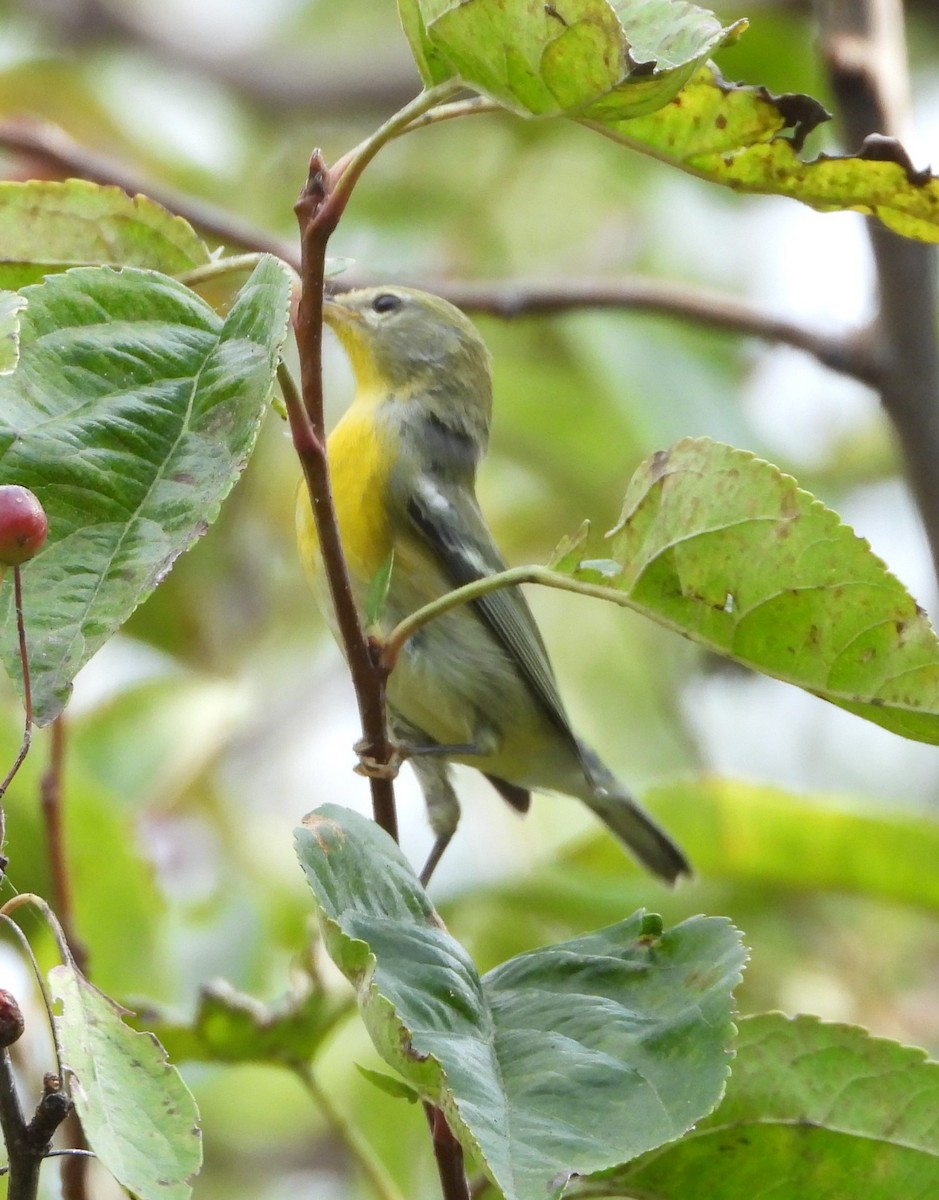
(23, 525)
(11, 1019)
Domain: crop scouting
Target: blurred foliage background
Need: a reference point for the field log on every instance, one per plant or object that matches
(222, 713)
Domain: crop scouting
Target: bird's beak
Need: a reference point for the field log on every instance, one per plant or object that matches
(336, 314)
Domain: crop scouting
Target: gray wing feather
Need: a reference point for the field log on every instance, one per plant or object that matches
(504, 612)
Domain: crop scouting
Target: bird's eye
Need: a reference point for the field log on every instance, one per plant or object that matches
(386, 302)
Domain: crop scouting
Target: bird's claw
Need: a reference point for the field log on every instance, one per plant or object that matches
(373, 768)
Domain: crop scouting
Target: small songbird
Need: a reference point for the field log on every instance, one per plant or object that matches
(474, 685)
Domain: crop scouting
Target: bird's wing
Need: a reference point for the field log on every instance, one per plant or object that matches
(454, 530)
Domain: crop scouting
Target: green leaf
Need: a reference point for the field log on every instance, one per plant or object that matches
(722, 547)
(549, 59)
(811, 1109)
(46, 227)
(431, 64)
(11, 305)
(568, 553)
(568, 1059)
(391, 1085)
(731, 134)
(737, 830)
(137, 1114)
(378, 592)
(132, 413)
(232, 1027)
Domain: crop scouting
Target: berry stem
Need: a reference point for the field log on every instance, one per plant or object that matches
(27, 690)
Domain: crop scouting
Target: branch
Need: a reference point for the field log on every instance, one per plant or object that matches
(848, 353)
(448, 1154)
(27, 1143)
(51, 146)
(317, 221)
(467, 593)
(864, 47)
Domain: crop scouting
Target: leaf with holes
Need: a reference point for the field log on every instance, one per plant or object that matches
(723, 547)
(625, 56)
(138, 1115)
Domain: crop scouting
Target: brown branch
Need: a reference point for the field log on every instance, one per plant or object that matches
(849, 353)
(27, 1143)
(864, 48)
(448, 1154)
(48, 144)
(317, 219)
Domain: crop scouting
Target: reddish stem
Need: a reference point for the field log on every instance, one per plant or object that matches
(318, 216)
(449, 1156)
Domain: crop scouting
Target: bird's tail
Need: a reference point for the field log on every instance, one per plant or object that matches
(613, 804)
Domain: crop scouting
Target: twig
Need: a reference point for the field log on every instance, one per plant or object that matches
(449, 1156)
(306, 424)
(319, 208)
(50, 793)
(74, 1174)
(863, 45)
(27, 1143)
(40, 979)
(368, 1162)
(51, 145)
(850, 353)
(27, 699)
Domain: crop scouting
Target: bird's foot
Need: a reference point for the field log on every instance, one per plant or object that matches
(374, 768)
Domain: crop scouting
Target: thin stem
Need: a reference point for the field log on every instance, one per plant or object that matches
(55, 1108)
(218, 268)
(365, 1157)
(348, 170)
(449, 1156)
(50, 792)
(30, 898)
(40, 982)
(474, 106)
(27, 690)
(469, 592)
(71, 1151)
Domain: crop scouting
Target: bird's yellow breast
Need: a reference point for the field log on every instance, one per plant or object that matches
(359, 475)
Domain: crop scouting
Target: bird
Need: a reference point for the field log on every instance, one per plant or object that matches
(474, 685)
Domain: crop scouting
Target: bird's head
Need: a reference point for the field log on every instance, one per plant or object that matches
(403, 341)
